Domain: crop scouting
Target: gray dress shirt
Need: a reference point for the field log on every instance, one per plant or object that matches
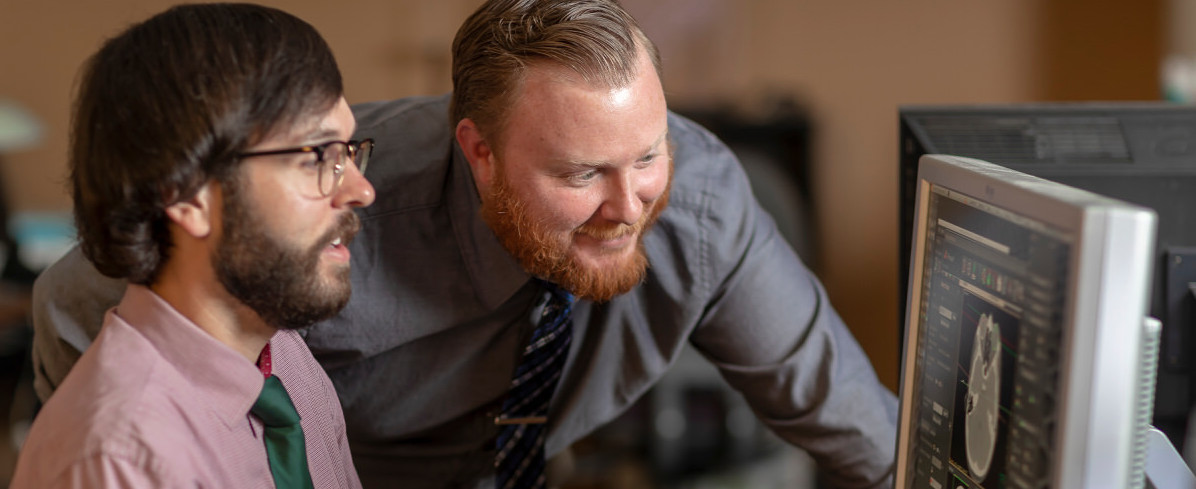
(423, 353)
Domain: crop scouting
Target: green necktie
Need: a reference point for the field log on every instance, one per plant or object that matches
(284, 437)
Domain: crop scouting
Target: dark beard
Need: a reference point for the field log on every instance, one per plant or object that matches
(276, 280)
(546, 254)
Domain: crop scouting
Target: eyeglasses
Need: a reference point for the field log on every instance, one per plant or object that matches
(329, 176)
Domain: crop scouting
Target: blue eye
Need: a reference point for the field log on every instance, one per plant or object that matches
(581, 178)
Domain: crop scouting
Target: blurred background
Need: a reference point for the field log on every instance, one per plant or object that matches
(806, 91)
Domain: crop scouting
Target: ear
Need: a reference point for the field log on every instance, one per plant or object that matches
(194, 216)
(477, 151)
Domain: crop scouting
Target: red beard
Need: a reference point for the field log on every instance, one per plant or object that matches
(548, 254)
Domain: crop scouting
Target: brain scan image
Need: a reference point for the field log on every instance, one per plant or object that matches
(982, 409)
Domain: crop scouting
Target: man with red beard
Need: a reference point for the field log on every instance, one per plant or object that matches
(550, 234)
(212, 167)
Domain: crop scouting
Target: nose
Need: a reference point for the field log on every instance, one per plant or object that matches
(623, 203)
(355, 190)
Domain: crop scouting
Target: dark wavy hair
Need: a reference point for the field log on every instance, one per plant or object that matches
(167, 105)
(492, 50)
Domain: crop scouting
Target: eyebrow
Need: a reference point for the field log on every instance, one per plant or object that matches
(656, 144)
(574, 165)
(321, 133)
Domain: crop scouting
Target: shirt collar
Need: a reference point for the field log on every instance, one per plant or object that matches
(495, 274)
(228, 382)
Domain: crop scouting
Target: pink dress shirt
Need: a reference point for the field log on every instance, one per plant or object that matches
(157, 402)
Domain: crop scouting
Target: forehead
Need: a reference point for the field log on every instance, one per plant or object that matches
(557, 112)
(334, 122)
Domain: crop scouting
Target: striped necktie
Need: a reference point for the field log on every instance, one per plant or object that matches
(285, 449)
(519, 462)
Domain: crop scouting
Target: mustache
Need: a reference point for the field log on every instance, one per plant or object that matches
(606, 232)
(346, 228)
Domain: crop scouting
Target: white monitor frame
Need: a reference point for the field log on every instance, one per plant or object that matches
(1106, 300)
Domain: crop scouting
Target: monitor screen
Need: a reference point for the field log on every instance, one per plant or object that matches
(1023, 346)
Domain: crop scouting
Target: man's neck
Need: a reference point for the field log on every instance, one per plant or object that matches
(203, 300)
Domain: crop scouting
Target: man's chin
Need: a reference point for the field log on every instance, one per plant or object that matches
(598, 260)
(602, 277)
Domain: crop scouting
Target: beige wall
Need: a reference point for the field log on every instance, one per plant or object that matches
(850, 62)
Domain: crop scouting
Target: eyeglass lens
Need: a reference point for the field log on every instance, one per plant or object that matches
(331, 156)
(332, 171)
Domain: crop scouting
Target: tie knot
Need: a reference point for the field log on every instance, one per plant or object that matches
(274, 406)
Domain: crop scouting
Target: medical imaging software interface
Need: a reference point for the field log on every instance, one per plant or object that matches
(987, 347)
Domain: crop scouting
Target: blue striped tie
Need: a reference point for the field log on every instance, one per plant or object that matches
(519, 462)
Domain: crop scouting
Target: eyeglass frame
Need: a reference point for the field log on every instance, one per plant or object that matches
(352, 148)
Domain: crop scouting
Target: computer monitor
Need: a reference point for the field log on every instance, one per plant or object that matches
(1024, 360)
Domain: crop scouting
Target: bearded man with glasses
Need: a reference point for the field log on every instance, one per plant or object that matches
(212, 169)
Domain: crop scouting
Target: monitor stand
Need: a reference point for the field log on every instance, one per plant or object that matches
(1165, 469)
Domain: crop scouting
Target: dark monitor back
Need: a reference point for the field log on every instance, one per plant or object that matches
(1144, 153)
